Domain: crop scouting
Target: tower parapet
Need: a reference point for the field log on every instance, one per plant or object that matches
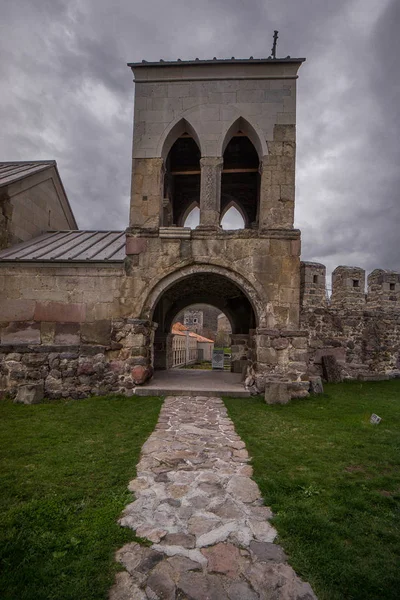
(348, 287)
(383, 290)
(312, 285)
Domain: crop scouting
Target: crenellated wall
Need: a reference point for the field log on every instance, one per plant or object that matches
(361, 329)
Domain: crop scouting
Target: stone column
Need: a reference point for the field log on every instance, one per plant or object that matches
(210, 192)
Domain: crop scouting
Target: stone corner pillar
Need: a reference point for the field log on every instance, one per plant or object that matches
(147, 191)
(210, 192)
(277, 188)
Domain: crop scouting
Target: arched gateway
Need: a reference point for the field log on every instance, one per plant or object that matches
(215, 134)
(213, 286)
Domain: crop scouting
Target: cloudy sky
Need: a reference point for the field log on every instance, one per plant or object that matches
(67, 94)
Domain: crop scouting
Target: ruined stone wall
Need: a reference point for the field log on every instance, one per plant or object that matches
(362, 330)
(100, 358)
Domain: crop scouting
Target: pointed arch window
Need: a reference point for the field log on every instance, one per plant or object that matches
(191, 217)
(240, 181)
(232, 217)
(181, 154)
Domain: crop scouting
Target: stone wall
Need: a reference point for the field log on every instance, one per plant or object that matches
(362, 330)
(86, 359)
(62, 327)
(264, 263)
(57, 293)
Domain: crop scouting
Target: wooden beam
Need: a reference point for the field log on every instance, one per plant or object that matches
(253, 170)
(240, 170)
(186, 172)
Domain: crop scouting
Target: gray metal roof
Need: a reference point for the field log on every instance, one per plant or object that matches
(197, 61)
(13, 171)
(69, 246)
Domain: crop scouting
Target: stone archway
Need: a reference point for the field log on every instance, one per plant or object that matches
(207, 285)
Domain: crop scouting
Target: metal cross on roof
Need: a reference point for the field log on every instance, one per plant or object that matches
(273, 51)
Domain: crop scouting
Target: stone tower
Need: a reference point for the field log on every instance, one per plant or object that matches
(214, 134)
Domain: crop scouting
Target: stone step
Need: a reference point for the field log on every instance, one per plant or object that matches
(166, 391)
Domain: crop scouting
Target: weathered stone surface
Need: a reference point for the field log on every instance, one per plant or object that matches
(153, 534)
(97, 332)
(276, 393)
(223, 558)
(125, 588)
(338, 353)
(60, 312)
(17, 310)
(316, 385)
(331, 369)
(21, 333)
(30, 394)
(161, 582)
(180, 539)
(67, 334)
(240, 590)
(181, 564)
(197, 586)
(277, 580)
(243, 488)
(265, 551)
(141, 374)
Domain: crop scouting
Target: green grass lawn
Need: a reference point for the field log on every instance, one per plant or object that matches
(333, 482)
(64, 468)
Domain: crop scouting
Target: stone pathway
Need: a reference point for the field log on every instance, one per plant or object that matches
(196, 503)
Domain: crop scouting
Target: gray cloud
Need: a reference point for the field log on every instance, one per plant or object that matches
(67, 94)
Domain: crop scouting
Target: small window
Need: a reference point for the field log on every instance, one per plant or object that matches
(194, 320)
(356, 283)
(315, 279)
(392, 287)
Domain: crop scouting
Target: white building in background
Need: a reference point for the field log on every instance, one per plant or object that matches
(189, 347)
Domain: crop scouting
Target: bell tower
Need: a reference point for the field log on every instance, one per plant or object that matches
(212, 134)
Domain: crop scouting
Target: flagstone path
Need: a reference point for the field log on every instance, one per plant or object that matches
(195, 501)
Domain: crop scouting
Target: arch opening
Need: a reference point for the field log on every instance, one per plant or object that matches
(182, 174)
(240, 181)
(211, 289)
(233, 217)
(191, 217)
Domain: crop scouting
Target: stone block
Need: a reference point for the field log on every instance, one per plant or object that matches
(316, 385)
(30, 394)
(47, 332)
(331, 369)
(98, 332)
(21, 333)
(67, 334)
(140, 374)
(135, 245)
(276, 393)
(267, 356)
(300, 343)
(60, 312)
(280, 343)
(16, 310)
(338, 353)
